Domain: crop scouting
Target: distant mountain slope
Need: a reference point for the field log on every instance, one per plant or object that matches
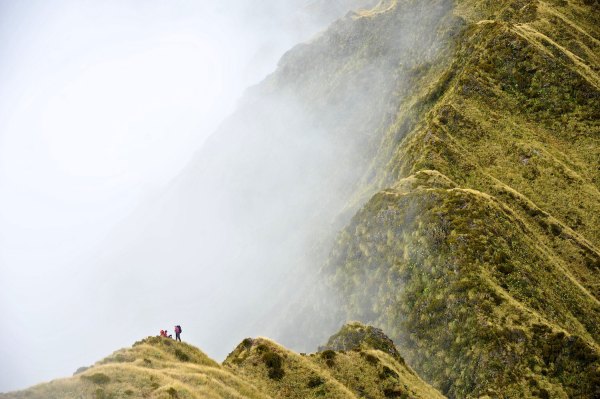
(224, 218)
(257, 369)
(263, 199)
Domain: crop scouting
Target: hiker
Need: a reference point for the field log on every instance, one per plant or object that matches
(163, 333)
(177, 333)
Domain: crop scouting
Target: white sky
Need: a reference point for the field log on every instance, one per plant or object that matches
(97, 103)
(102, 103)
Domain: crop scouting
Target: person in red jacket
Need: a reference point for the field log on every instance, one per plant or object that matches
(177, 333)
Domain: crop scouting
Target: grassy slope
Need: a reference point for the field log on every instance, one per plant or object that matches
(153, 368)
(257, 369)
(481, 257)
(352, 80)
(369, 367)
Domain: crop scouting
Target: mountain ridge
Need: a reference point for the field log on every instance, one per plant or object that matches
(159, 367)
(511, 132)
(431, 168)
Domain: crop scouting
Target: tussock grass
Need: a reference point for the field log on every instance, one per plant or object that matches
(371, 367)
(256, 369)
(465, 270)
(150, 369)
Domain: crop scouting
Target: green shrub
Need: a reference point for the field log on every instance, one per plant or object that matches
(371, 359)
(394, 393)
(274, 363)
(181, 355)
(97, 378)
(328, 354)
(80, 370)
(247, 343)
(505, 268)
(387, 373)
(543, 393)
(315, 381)
(262, 348)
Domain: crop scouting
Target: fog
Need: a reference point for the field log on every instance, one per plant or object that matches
(146, 180)
(103, 104)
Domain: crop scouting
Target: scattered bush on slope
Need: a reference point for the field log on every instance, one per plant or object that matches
(370, 366)
(479, 253)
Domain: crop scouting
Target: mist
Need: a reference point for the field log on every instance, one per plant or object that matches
(148, 180)
(103, 104)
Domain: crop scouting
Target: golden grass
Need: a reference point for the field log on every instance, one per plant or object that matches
(339, 374)
(149, 370)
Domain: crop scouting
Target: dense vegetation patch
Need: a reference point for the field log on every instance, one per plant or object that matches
(274, 363)
(97, 378)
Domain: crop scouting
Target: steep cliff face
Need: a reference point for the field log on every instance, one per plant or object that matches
(282, 172)
(467, 134)
(481, 254)
(301, 140)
